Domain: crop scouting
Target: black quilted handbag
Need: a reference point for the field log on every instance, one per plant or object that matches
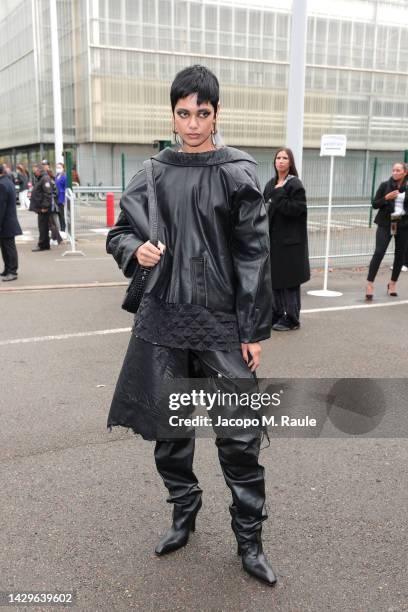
(137, 285)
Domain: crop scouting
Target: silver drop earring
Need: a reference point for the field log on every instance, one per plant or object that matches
(217, 140)
(179, 141)
(214, 140)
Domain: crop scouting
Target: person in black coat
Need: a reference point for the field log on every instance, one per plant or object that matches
(286, 198)
(391, 201)
(41, 204)
(9, 227)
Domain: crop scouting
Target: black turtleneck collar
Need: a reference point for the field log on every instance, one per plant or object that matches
(209, 158)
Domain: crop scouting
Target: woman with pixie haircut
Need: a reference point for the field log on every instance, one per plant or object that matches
(205, 308)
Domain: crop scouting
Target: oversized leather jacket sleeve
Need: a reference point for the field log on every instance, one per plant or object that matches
(129, 234)
(250, 252)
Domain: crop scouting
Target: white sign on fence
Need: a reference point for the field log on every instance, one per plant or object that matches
(333, 144)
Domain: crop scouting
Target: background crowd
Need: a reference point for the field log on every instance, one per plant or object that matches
(43, 192)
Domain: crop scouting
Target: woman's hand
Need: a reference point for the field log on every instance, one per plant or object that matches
(392, 195)
(251, 353)
(149, 255)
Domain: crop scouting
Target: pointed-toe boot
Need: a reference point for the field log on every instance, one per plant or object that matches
(174, 461)
(245, 477)
(178, 534)
(255, 562)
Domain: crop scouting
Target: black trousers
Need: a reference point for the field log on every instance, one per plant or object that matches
(9, 254)
(238, 455)
(43, 227)
(53, 222)
(61, 215)
(382, 240)
(286, 305)
(146, 371)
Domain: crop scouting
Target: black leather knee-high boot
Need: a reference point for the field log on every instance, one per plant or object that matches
(174, 461)
(245, 478)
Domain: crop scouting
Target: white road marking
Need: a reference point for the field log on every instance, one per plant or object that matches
(100, 332)
(353, 307)
(362, 222)
(340, 224)
(123, 330)
(104, 231)
(27, 236)
(84, 258)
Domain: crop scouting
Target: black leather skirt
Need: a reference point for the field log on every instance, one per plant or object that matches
(151, 372)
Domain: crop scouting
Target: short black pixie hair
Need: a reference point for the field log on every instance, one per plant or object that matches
(195, 80)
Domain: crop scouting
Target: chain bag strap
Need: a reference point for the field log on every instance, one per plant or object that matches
(137, 285)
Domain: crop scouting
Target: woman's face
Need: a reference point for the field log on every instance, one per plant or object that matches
(398, 172)
(59, 169)
(282, 162)
(194, 124)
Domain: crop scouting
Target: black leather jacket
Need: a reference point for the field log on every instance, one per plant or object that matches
(213, 221)
(386, 207)
(41, 195)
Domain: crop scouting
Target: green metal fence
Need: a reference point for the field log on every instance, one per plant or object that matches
(356, 178)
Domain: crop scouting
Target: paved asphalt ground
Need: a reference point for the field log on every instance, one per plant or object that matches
(82, 509)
